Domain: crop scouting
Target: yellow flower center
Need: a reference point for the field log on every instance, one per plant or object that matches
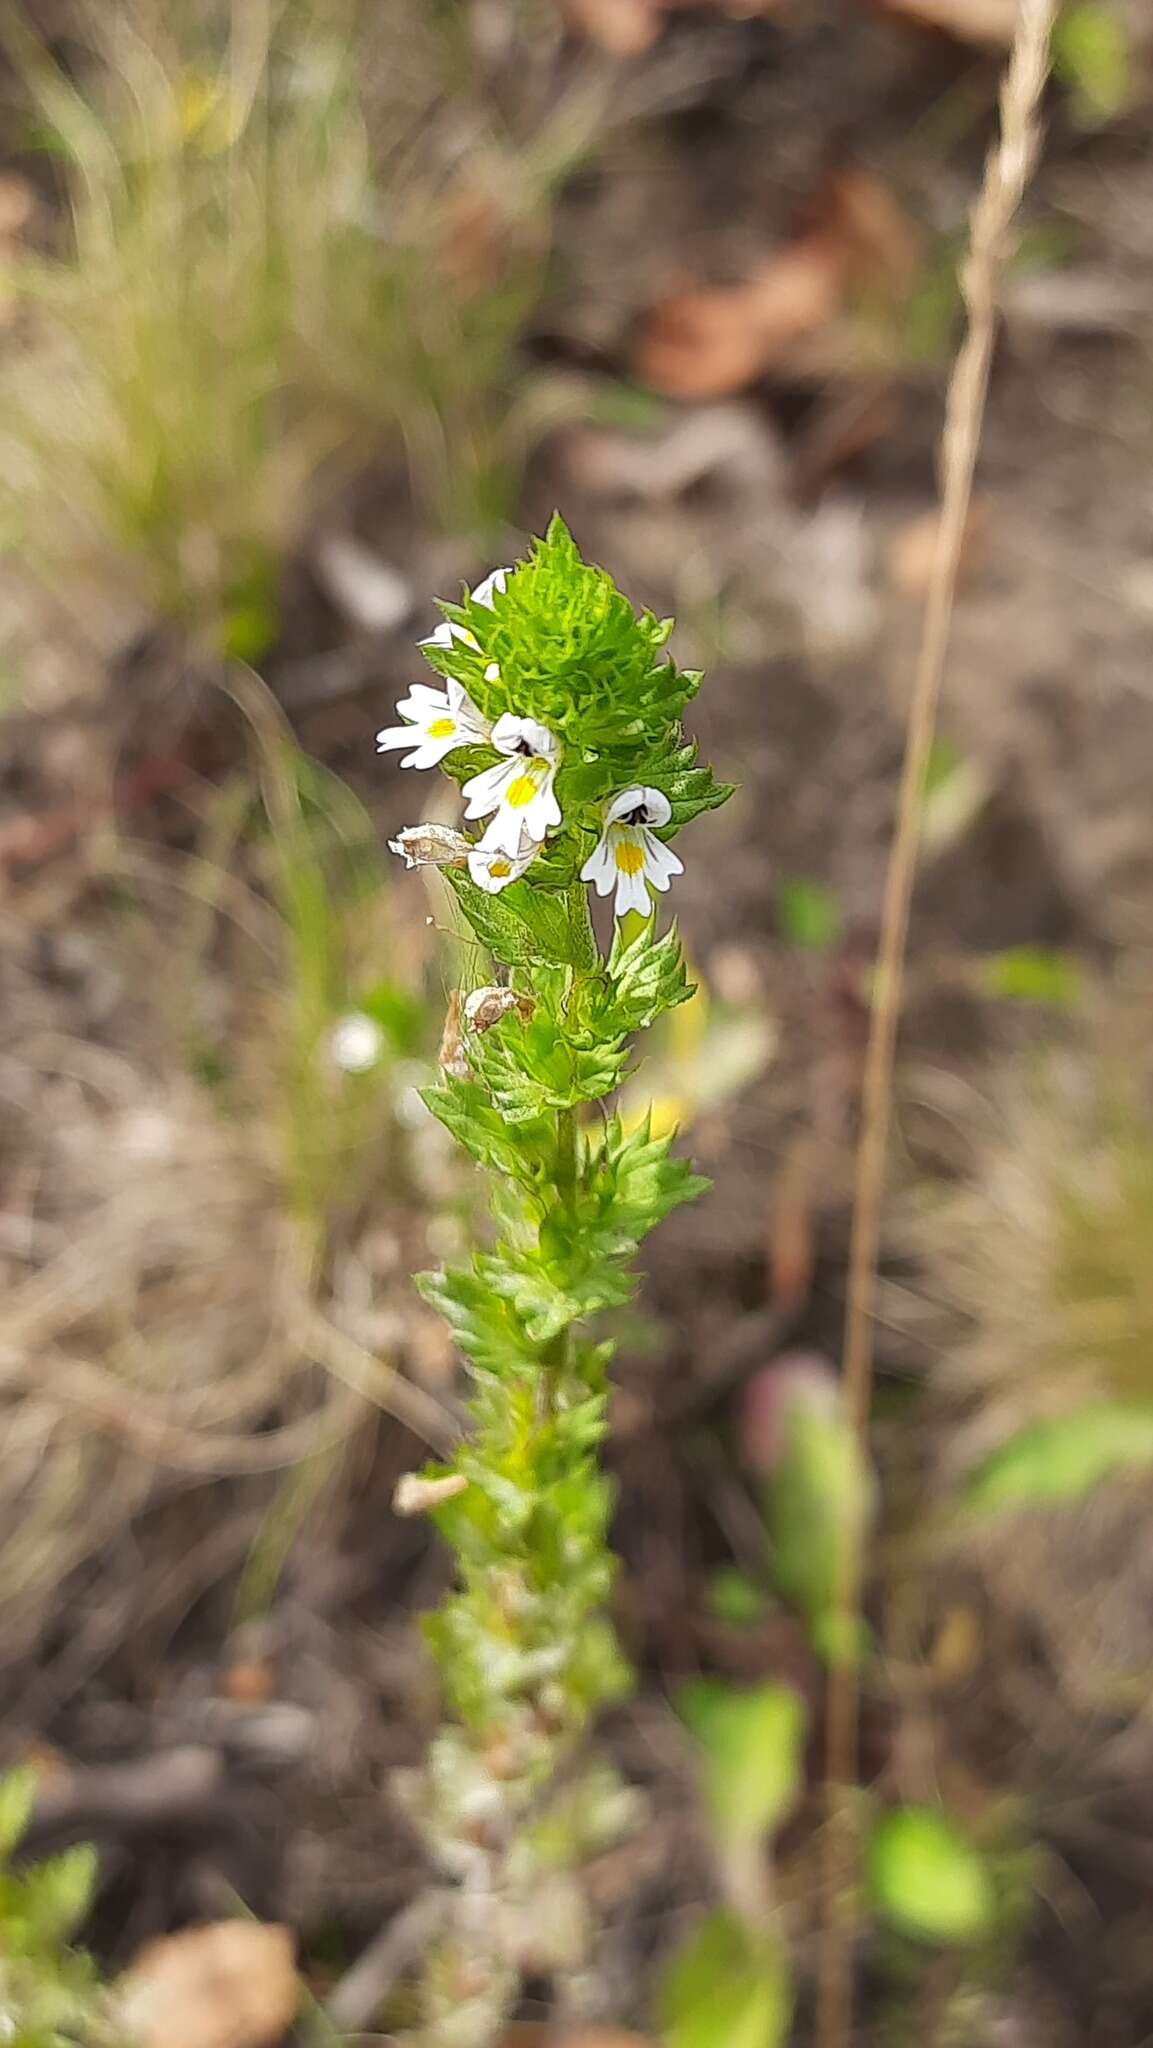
(441, 728)
(630, 857)
(500, 868)
(523, 788)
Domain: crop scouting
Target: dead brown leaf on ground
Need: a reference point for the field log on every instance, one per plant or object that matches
(232, 1984)
(707, 342)
(882, 245)
(860, 246)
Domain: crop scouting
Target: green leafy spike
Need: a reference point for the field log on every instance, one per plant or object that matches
(592, 705)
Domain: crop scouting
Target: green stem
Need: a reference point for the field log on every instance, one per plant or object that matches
(566, 1156)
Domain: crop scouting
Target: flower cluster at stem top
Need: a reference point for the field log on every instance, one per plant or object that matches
(559, 714)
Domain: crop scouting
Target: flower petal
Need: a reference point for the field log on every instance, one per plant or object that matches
(513, 735)
(653, 802)
(506, 829)
(425, 697)
(492, 865)
(661, 863)
(494, 582)
(600, 868)
(448, 631)
(632, 894)
(483, 792)
(543, 811)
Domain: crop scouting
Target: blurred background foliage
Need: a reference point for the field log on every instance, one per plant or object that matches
(310, 312)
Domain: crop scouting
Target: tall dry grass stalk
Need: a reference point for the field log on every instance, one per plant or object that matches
(1007, 174)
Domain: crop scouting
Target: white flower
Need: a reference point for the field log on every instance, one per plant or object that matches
(494, 581)
(520, 788)
(629, 854)
(448, 631)
(431, 846)
(490, 864)
(356, 1044)
(441, 720)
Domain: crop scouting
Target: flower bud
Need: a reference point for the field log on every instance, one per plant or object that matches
(486, 1006)
(802, 1377)
(431, 846)
(415, 1495)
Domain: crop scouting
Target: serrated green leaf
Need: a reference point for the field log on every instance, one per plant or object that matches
(724, 1990)
(464, 1109)
(633, 1182)
(544, 1308)
(530, 1069)
(1065, 1457)
(519, 926)
(647, 977)
(484, 1326)
(927, 1878)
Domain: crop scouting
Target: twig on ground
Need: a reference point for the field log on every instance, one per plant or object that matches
(362, 1990)
(173, 1783)
(1006, 177)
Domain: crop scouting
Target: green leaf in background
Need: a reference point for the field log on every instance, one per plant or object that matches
(753, 1750)
(698, 1702)
(725, 1990)
(248, 630)
(17, 1793)
(927, 1879)
(1034, 974)
(809, 914)
(1064, 1458)
(956, 789)
(736, 1599)
(613, 403)
(57, 1894)
(817, 1507)
(944, 760)
(1093, 56)
(933, 309)
(400, 1014)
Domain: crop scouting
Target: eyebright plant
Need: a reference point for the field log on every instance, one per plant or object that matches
(559, 714)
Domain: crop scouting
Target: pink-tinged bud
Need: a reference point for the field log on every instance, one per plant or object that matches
(802, 1377)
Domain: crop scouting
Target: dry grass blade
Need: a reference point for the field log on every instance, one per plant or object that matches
(1006, 177)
